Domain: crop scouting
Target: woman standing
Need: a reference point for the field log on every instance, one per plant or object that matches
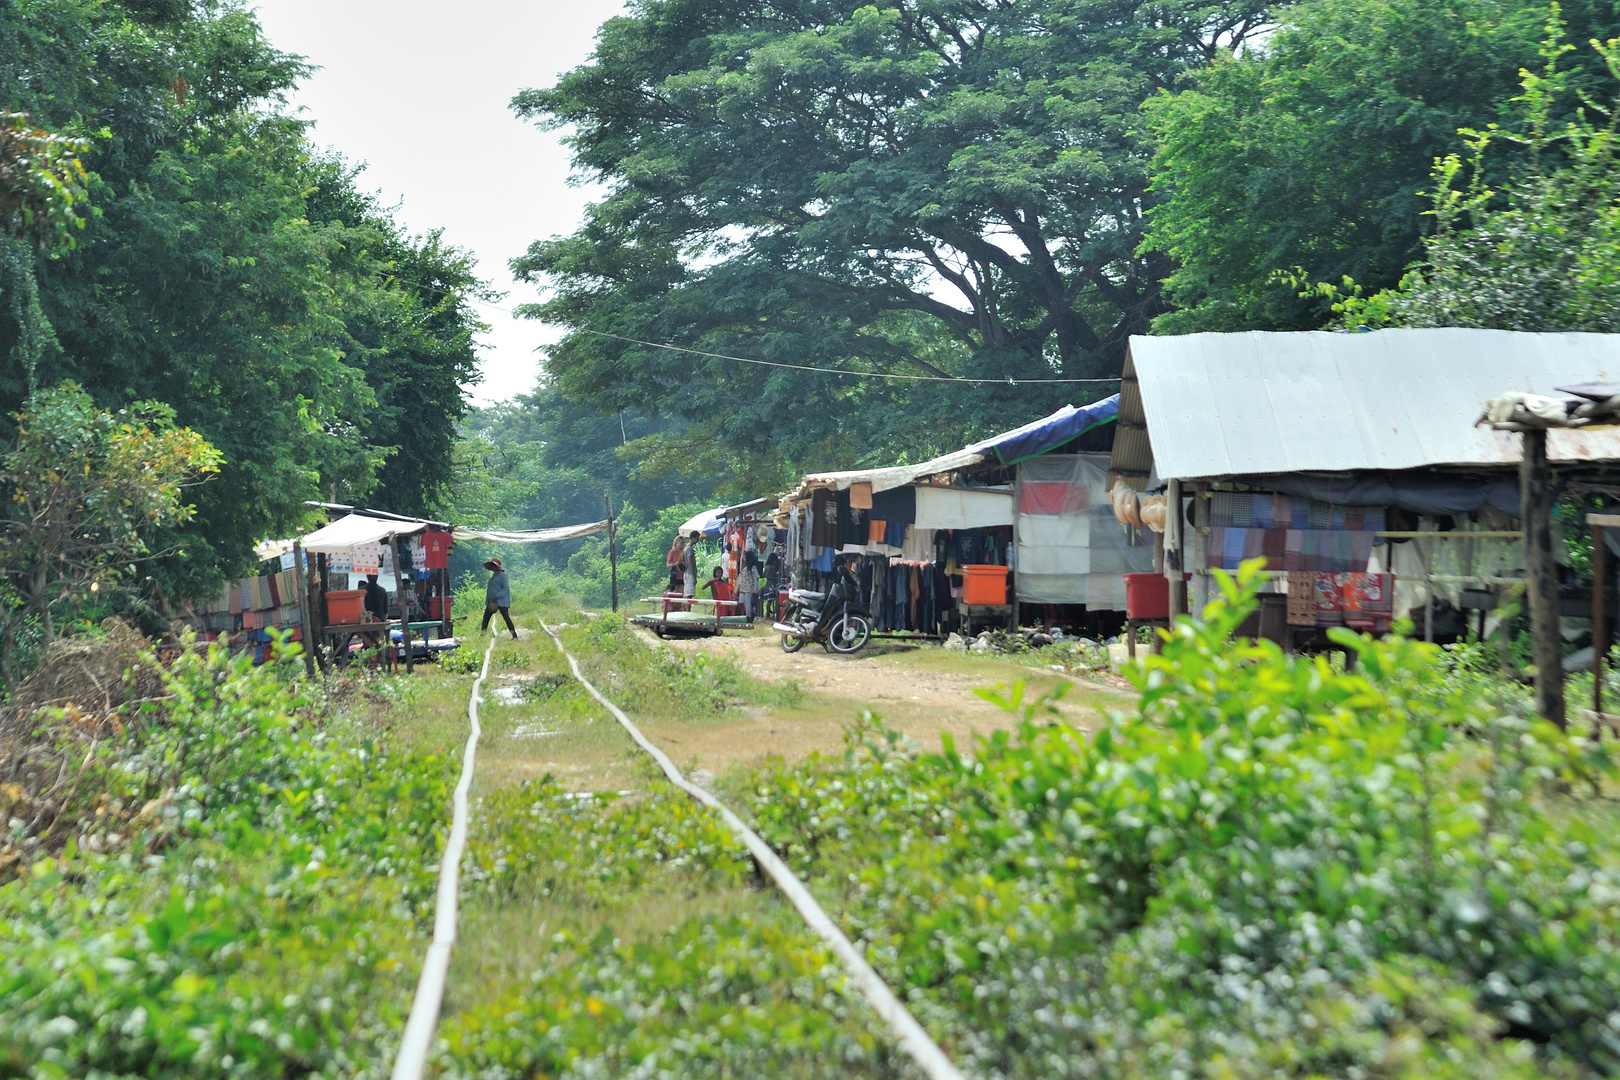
(498, 596)
(748, 582)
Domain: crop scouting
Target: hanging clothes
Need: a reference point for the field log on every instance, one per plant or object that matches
(823, 518)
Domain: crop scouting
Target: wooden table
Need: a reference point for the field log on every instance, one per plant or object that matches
(988, 615)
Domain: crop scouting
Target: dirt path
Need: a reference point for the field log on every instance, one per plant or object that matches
(922, 691)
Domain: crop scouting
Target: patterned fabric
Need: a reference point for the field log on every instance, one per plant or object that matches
(1290, 549)
(1260, 510)
(1359, 601)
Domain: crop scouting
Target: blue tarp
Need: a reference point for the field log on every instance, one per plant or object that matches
(1049, 432)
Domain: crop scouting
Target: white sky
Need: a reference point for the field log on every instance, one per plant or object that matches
(419, 93)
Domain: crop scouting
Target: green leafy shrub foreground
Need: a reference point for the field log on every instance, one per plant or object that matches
(262, 915)
(700, 995)
(1271, 868)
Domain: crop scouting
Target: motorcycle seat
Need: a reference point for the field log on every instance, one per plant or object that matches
(806, 594)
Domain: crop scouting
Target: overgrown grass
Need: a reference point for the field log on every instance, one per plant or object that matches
(263, 912)
(1268, 867)
(662, 682)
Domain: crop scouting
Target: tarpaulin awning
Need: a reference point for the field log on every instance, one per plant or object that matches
(531, 536)
(1049, 432)
(344, 533)
(709, 521)
(1034, 438)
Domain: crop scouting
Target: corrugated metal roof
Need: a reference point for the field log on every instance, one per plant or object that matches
(1258, 402)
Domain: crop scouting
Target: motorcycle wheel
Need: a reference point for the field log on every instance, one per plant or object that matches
(792, 643)
(849, 634)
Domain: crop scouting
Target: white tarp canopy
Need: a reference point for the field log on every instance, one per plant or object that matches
(957, 508)
(344, 533)
(709, 521)
(532, 536)
(893, 476)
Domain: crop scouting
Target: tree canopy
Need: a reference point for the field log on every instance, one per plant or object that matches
(927, 189)
(1307, 153)
(230, 271)
(1539, 254)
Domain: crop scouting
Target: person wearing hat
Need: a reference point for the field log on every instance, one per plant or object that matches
(498, 595)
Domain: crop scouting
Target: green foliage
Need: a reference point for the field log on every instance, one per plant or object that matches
(539, 461)
(85, 490)
(42, 182)
(917, 189)
(732, 996)
(665, 682)
(229, 272)
(1309, 151)
(1270, 866)
(243, 898)
(1540, 253)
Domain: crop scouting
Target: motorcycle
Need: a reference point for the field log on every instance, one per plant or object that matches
(832, 618)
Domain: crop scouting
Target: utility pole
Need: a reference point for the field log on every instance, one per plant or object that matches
(613, 547)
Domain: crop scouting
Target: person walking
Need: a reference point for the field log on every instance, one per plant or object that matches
(498, 596)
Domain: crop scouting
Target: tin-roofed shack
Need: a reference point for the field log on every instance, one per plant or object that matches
(1352, 462)
(962, 540)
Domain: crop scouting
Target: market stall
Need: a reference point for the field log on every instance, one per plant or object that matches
(962, 540)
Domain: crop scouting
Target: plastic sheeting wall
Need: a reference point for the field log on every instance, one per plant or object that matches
(1071, 550)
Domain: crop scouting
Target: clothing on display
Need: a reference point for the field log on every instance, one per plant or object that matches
(824, 518)
(436, 549)
(897, 505)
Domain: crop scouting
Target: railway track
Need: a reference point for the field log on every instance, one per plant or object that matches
(411, 1061)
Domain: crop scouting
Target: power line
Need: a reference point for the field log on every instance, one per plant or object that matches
(1011, 381)
(1008, 380)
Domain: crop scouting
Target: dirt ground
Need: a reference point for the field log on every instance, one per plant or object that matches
(920, 690)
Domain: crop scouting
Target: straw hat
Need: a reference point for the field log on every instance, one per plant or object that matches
(493, 564)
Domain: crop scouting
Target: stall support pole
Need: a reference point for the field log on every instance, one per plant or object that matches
(404, 605)
(306, 630)
(613, 550)
(1172, 547)
(1541, 575)
(1200, 545)
(1600, 623)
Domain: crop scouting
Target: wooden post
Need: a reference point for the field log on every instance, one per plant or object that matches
(325, 655)
(1172, 546)
(306, 628)
(613, 550)
(1200, 547)
(1541, 575)
(1600, 624)
(404, 600)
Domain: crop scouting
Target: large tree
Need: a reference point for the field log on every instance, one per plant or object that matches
(229, 272)
(936, 187)
(1308, 152)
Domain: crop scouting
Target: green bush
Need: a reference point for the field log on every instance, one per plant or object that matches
(1235, 879)
(260, 914)
(732, 996)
